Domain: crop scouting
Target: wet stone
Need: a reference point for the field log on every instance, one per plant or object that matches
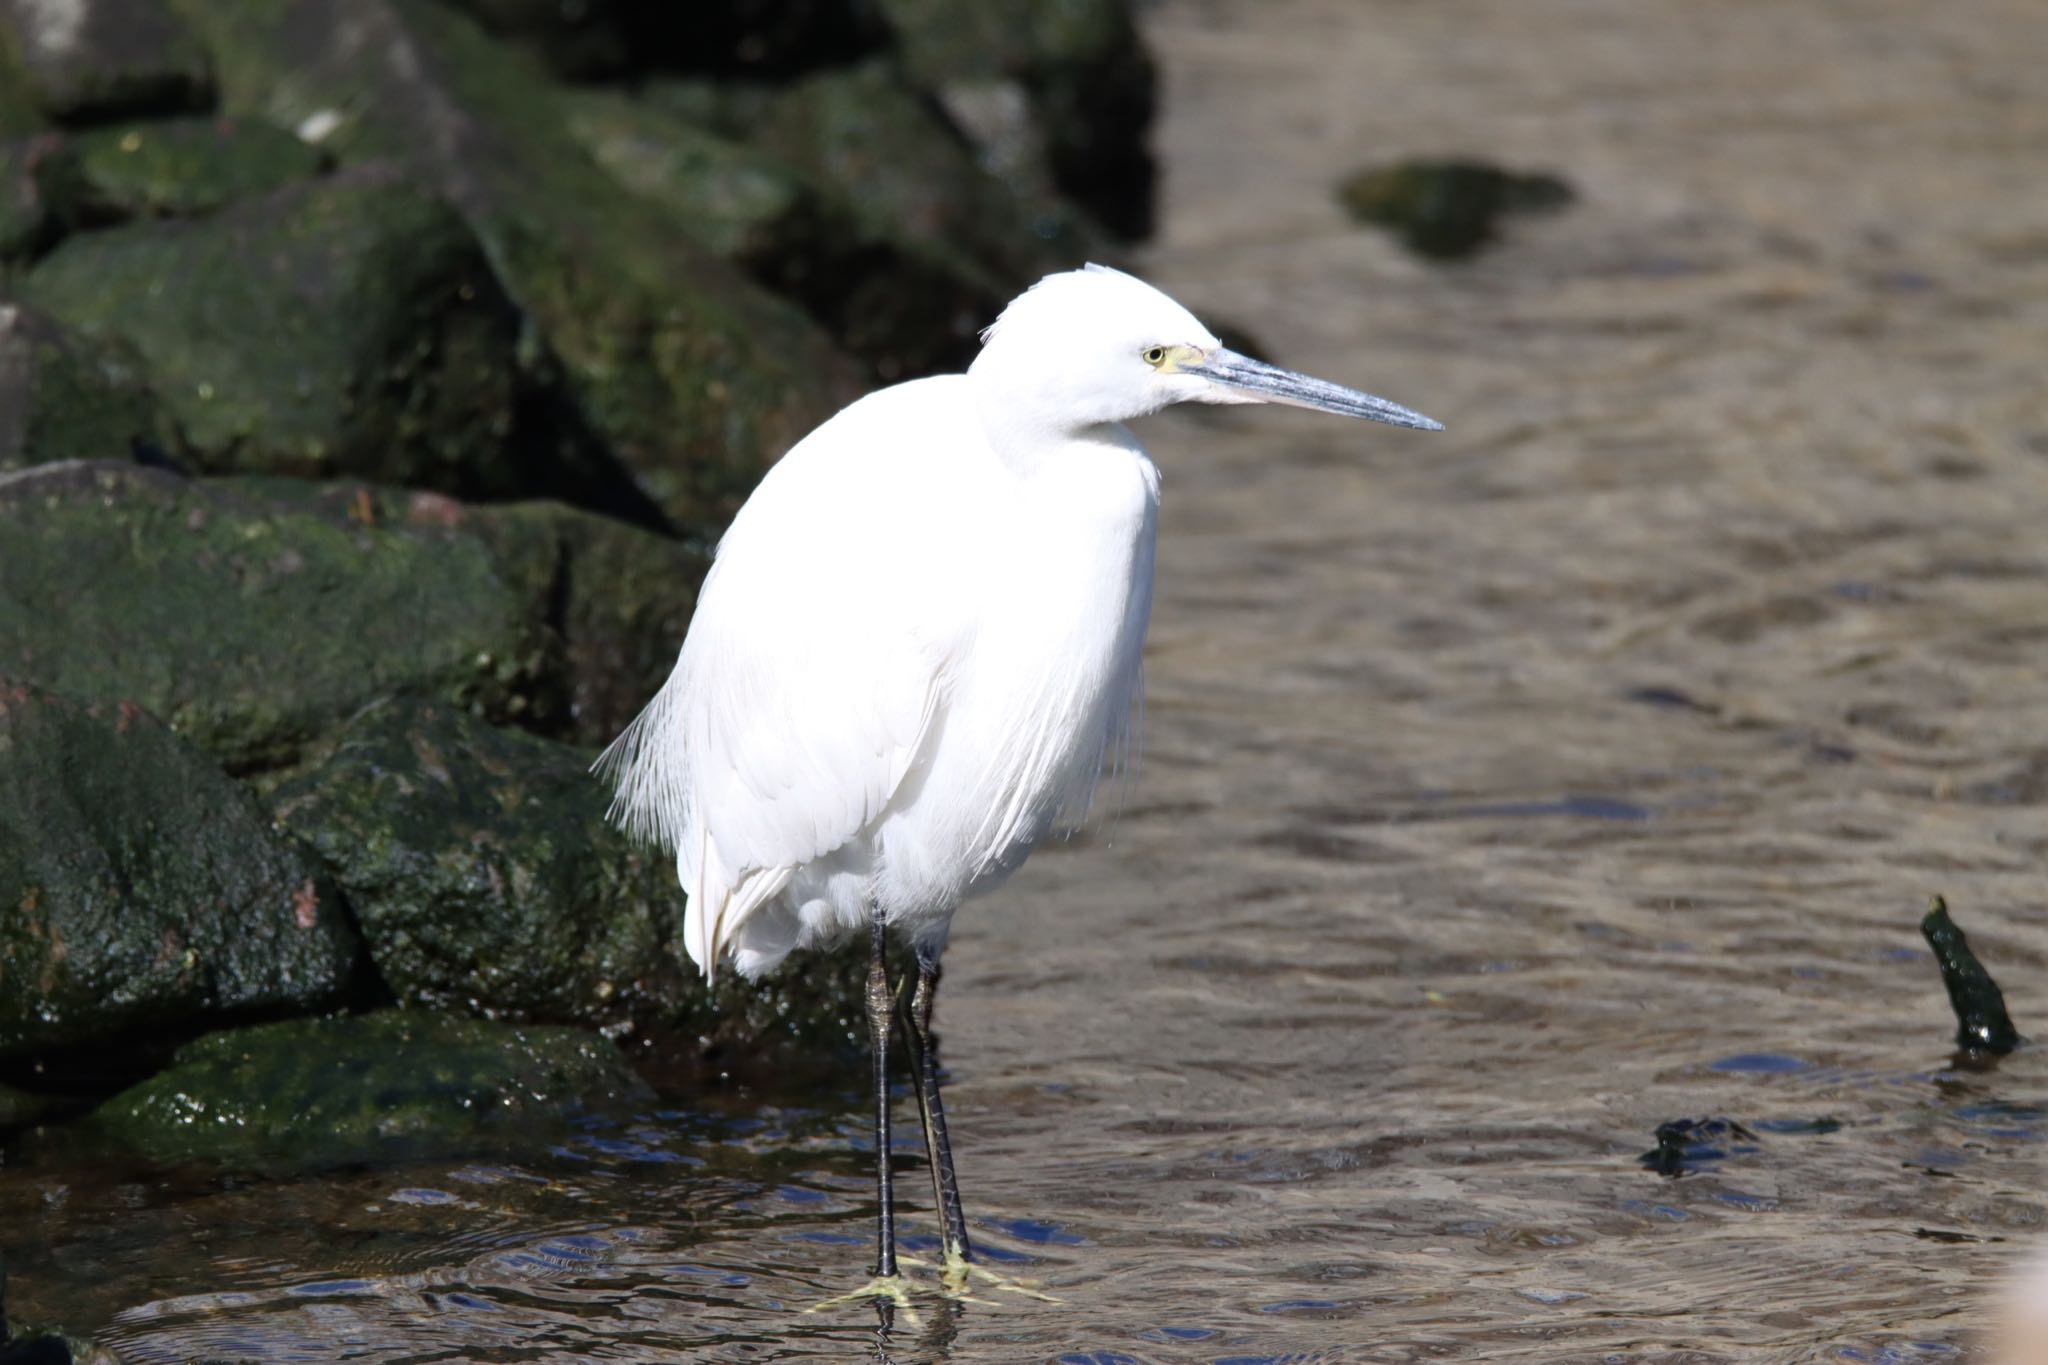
(1689, 1146)
(349, 325)
(142, 890)
(65, 398)
(253, 627)
(311, 1093)
(682, 370)
(1060, 93)
(1448, 210)
(174, 168)
(484, 875)
(88, 59)
(899, 306)
(482, 871)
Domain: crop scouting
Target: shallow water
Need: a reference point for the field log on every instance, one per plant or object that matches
(1507, 792)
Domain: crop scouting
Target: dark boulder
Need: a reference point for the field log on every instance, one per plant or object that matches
(65, 398)
(345, 325)
(595, 38)
(1061, 93)
(90, 59)
(613, 601)
(683, 370)
(894, 301)
(484, 875)
(482, 872)
(142, 891)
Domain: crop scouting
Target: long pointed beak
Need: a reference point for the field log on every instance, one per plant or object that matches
(1263, 383)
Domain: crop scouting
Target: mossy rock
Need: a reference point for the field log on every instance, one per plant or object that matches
(141, 889)
(320, 1092)
(65, 398)
(1084, 76)
(686, 372)
(253, 627)
(891, 154)
(91, 59)
(899, 305)
(178, 168)
(614, 600)
(348, 325)
(482, 871)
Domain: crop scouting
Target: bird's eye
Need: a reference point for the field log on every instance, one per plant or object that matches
(1154, 355)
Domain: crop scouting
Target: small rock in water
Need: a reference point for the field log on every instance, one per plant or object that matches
(1687, 1146)
(1982, 1025)
(1447, 209)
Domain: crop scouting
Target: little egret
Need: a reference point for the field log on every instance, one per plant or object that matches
(917, 649)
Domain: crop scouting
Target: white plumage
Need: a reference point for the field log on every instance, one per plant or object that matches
(920, 638)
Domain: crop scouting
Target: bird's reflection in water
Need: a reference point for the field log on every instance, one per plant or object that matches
(937, 1330)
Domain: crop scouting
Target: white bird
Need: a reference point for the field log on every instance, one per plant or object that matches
(918, 648)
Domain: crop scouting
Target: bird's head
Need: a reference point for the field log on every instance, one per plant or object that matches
(1093, 346)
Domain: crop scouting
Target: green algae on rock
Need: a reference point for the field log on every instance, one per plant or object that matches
(176, 168)
(65, 398)
(484, 875)
(141, 889)
(319, 1092)
(345, 325)
(252, 628)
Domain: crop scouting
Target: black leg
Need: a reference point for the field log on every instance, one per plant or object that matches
(938, 1149)
(881, 1003)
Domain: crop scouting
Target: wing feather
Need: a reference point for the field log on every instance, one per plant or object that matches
(806, 685)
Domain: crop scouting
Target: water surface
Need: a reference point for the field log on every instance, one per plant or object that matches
(1507, 792)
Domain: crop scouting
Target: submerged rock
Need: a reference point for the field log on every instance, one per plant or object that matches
(347, 325)
(253, 627)
(1448, 209)
(87, 59)
(65, 398)
(176, 168)
(317, 1092)
(141, 890)
(1983, 1028)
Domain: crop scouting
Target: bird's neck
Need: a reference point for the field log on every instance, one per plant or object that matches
(1035, 433)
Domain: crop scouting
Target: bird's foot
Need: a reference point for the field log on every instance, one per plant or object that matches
(891, 1287)
(958, 1275)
